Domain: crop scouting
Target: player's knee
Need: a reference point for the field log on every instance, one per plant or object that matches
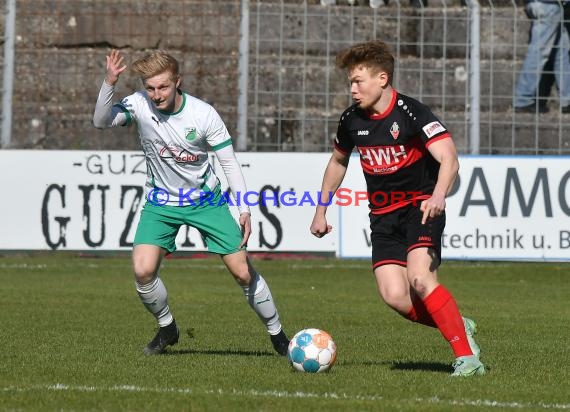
(242, 276)
(144, 273)
(240, 268)
(421, 283)
(396, 299)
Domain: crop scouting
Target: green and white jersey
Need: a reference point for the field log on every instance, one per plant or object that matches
(176, 146)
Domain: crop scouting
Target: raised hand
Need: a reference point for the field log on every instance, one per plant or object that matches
(115, 67)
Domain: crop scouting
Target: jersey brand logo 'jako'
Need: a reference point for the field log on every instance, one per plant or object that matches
(363, 133)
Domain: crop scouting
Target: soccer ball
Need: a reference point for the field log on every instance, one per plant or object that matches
(312, 350)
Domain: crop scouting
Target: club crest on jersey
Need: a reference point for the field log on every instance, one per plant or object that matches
(395, 130)
(190, 133)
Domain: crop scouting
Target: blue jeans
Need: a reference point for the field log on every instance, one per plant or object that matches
(548, 38)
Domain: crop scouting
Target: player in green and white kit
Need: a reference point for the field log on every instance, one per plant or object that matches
(176, 130)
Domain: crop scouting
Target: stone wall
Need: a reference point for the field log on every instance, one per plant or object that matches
(60, 63)
(61, 47)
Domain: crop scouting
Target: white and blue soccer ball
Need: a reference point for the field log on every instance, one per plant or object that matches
(312, 350)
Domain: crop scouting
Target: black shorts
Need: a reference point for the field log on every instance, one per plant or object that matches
(396, 233)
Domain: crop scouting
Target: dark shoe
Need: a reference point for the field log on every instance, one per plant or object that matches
(532, 108)
(167, 335)
(280, 343)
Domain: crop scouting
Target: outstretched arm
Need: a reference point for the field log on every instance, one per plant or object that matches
(104, 116)
(334, 174)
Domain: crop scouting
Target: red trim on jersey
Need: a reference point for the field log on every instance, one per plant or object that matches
(378, 116)
(398, 205)
(418, 245)
(389, 262)
(337, 147)
(443, 136)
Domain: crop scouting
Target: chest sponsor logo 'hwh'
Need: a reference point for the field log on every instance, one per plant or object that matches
(382, 157)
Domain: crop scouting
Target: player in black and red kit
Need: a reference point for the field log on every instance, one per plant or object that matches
(409, 162)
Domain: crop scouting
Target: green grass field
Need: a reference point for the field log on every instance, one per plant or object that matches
(73, 329)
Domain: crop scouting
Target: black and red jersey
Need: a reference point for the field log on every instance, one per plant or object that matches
(398, 168)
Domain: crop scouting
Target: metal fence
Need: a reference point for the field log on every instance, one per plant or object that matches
(60, 48)
(290, 94)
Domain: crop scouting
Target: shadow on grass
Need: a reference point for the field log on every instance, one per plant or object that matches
(423, 366)
(407, 365)
(223, 352)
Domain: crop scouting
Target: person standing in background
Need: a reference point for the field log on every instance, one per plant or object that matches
(548, 41)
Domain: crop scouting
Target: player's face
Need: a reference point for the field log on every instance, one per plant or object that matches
(365, 86)
(162, 90)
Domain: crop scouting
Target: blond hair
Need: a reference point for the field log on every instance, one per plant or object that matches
(156, 63)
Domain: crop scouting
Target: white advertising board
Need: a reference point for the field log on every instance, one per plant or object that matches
(502, 208)
(90, 200)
